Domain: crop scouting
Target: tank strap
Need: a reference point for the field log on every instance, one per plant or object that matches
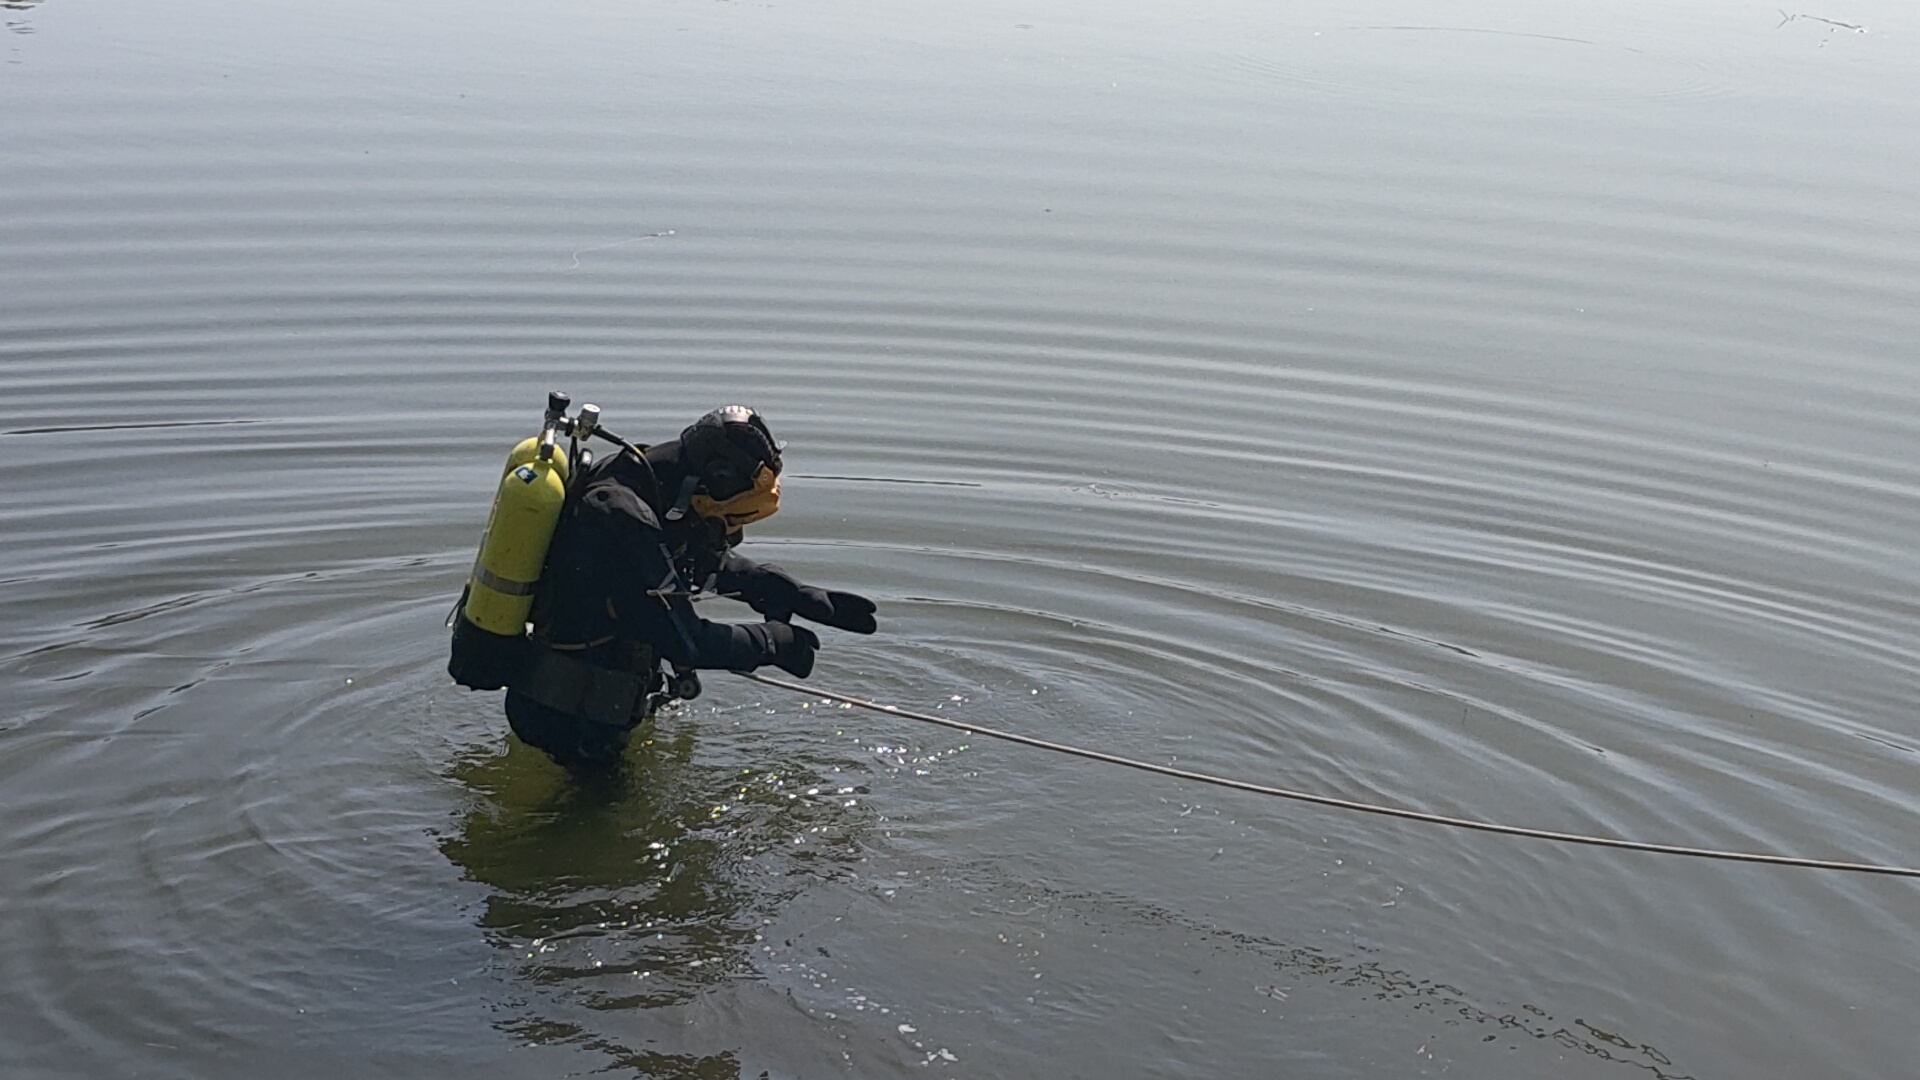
(504, 585)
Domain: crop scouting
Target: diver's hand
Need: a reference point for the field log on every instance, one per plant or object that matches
(775, 593)
(790, 648)
(841, 610)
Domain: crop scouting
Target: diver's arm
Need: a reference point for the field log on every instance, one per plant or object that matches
(744, 647)
(776, 594)
(647, 599)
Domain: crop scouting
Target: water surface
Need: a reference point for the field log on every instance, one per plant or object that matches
(1494, 411)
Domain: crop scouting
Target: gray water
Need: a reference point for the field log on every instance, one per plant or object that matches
(1494, 409)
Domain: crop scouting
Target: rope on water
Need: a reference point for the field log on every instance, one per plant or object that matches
(1329, 800)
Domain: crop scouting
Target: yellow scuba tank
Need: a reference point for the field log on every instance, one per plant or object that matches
(526, 508)
(490, 630)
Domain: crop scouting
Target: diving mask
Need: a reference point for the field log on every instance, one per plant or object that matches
(757, 503)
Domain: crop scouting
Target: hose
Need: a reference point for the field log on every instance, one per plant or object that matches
(1339, 803)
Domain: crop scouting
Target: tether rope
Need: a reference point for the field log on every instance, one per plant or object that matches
(1329, 800)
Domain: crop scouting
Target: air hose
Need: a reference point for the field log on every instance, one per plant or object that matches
(1334, 802)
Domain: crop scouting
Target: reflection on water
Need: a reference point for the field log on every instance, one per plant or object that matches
(19, 26)
(646, 887)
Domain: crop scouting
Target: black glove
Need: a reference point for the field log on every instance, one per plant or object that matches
(790, 648)
(843, 610)
(774, 593)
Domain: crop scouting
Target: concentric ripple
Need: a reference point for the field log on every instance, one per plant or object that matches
(1507, 416)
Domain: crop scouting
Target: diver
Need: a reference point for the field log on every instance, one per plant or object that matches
(642, 534)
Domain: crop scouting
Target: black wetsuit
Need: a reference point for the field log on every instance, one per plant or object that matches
(612, 595)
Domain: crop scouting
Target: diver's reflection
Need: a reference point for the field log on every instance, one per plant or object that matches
(643, 887)
(613, 883)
